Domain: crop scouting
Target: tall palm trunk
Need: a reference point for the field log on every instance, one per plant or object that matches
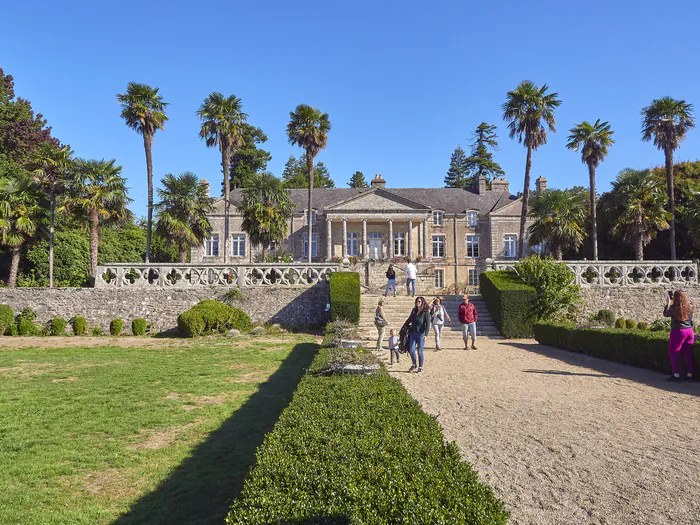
(526, 199)
(52, 207)
(671, 202)
(639, 249)
(14, 266)
(226, 163)
(594, 213)
(558, 252)
(148, 146)
(183, 253)
(310, 169)
(94, 243)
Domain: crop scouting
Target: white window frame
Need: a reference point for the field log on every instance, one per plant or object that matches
(438, 218)
(209, 244)
(473, 277)
(510, 240)
(314, 245)
(439, 281)
(399, 244)
(236, 244)
(436, 244)
(472, 241)
(352, 244)
(314, 214)
(472, 218)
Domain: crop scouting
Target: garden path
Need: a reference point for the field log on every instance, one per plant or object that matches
(565, 438)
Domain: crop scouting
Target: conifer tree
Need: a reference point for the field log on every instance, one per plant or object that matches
(358, 180)
(481, 162)
(457, 173)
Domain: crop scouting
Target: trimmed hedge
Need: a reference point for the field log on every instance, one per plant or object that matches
(345, 296)
(640, 348)
(139, 326)
(7, 319)
(115, 327)
(359, 449)
(26, 327)
(58, 326)
(211, 315)
(508, 300)
(79, 326)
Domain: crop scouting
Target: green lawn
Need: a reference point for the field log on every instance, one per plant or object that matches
(130, 435)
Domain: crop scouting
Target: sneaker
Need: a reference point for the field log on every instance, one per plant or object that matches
(437, 348)
(473, 347)
(390, 364)
(413, 367)
(674, 379)
(420, 370)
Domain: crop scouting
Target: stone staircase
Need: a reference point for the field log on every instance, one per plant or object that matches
(397, 310)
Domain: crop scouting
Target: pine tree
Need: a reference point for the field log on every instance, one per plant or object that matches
(358, 180)
(457, 174)
(481, 162)
(295, 174)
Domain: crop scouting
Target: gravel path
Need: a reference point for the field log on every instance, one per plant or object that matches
(565, 438)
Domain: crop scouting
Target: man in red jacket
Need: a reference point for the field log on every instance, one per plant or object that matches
(468, 316)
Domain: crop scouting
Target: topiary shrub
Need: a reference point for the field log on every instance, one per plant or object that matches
(209, 316)
(642, 325)
(661, 325)
(58, 326)
(27, 314)
(630, 324)
(7, 319)
(79, 326)
(345, 296)
(606, 317)
(619, 323)
(139, 326)
(508, 300)
(11, 330)
(26, 328)
(96, 331)
(116, 326)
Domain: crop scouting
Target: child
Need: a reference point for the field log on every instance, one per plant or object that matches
(393, 347)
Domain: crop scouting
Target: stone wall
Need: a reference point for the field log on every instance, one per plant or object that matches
(289, 306)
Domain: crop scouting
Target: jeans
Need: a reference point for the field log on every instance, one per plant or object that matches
(416, 340)
(467, 330)
(437, 328)
(390, 284)
(681, 342)
(380, 329)
(410, 283)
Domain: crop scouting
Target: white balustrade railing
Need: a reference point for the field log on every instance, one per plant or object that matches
(127, 275)
(620, 273)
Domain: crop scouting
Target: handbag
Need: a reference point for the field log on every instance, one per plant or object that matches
(379, 320)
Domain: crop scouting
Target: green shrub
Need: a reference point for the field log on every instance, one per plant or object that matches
(210, 316)
(96, 331)
(619, 323)
(7, 319)
(630, 324)
(12, 330)
(345, 296)
(27, 314)
(79, 326)
(556, 292)
(116, 326)
(25, 328)
(58, 326)
(552, 334)
(661, 325)
(642, 325)
(606, 317)
(139, 326)
(508, 300)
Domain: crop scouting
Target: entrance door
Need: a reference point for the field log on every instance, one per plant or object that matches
(375, 245)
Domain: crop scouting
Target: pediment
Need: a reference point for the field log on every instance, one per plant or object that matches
(377, 201)
(513, 208)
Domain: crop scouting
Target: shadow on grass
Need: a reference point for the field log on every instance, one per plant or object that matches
(202, 487)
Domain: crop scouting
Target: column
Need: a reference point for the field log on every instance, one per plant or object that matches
(390, 243)
(365, 250)
(329, 240)
(345, 238)
(410, 238)
(420, 241)
(426, 244)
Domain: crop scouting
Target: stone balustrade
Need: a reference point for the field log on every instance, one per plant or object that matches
(129, 275)
(621, 273)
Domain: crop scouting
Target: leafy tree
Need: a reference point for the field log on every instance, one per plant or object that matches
(72, 259)
(458, 171)
(667, 121)
(556, 293)
(267, 208)
(296, 174)
(480, 163)
(529, 111)
(223, 126)
(182, 211)
(358, 180)
(249, 159)
(97, 194)
(143, 110)
(593, 140)
(559, 220)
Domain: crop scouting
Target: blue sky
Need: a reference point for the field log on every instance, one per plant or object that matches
(404, 82)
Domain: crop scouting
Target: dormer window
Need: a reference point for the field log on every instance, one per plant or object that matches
(438, 218)
(472, 218)
(306, 217)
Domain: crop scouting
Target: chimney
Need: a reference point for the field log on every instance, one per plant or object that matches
(205, 184)
(481, 185)
(378, 182)
(540, 185)
(499, 184)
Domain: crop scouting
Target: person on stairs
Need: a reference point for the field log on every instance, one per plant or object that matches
(391, 280)
(438, 314)
(419, 322)
(380, 323)
(468, 316)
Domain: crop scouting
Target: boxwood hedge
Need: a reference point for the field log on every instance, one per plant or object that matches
(508, 300)
(7, 319)
(345, 296)
(211, 315)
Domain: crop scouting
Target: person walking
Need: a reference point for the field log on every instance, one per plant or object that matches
(380, 322)
(391, 280)
(468, 316)
(393, 347)
(438, 314)
(411, 274)
(419, 326)
(680, 310)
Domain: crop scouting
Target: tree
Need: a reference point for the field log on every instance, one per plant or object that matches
(458, 171)
(249, 159)
(559, 221)
(481, 163)
(267, 208)
(593, 140)
(97, 194)
(143, 110)
(529, 111)
(358, 180)
(182, 211)
(636, 208)
(667, 121)
(223, 123)
(296, 174)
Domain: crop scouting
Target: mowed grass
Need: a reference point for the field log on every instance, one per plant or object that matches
(92, 435)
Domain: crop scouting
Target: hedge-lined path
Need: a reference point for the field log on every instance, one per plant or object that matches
(565, 438)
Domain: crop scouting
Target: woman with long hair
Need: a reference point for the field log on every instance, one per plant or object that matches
(419, 326)
(680, 310)
(438, 314)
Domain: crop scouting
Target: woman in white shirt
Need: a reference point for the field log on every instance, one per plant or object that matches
(438, 314)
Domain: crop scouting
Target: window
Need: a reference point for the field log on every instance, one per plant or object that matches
(538, 248)
(399, 244)
(211, 246)
(438, 246)
(472, 246)
(472, 217)
(438, 217)
(439, 278)
(306, 217)
(509, 245)
(353, 245)
(314, 245)
(238, 245)
(473, 277)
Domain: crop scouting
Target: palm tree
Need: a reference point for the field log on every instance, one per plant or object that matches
(559, 218)
(143, 110)
(223, 125)
(668, 120)
(529, 111)
(20, 215)
(181, 214)
(636, 208)
(308, 128)
(593, 140)
(52, 165)
(96, 193)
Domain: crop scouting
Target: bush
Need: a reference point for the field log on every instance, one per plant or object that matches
(12, 330)
(606, 317)
(79, 326)
(508, 300)
(556, 293)
(630, 324)
(661, 325)
(139, 326)
(26, 328)
(7, 319)
(27, 314)
(619, 323)
(345, 296)
(209, 316)
(58, 326)
(116, 326)
(642, 325)
(96, 331)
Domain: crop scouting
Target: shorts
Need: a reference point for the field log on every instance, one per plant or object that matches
(469, 329)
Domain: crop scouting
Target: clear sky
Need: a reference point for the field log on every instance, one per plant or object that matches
(403, 82)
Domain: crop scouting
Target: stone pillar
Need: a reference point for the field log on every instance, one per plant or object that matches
(410, 238)
(365, 250)
(426, 244)
(345, 238)
(390, 244)
(420, 240)
(329, 240)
